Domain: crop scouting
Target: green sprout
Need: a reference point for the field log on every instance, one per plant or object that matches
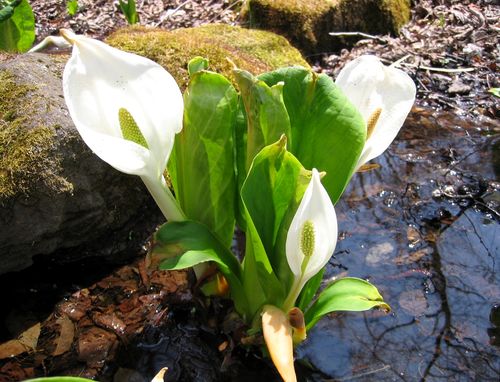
(128, 8)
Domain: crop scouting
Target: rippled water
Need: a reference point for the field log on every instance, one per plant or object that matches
(424, 228)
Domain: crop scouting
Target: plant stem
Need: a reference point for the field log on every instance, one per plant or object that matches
(164, 199)
(293, 295)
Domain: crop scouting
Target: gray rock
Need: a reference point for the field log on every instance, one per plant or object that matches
(56, 196)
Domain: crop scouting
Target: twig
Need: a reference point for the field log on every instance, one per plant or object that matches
(360, 34)
(170, 14)
(432, 69)
(225, 9)
(353, 377)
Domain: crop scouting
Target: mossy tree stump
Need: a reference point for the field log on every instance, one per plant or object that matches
(307, 23)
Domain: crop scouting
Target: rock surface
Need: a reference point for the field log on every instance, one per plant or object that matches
(56, 196)
(307, 23)
(54, 192)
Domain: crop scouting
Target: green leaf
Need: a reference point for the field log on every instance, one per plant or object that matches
(59, 379)
(180, 245)
(271, 194)
(328, 133)
(240, 145)
(7, 8)
(197, 64)
(266, 115)
(346, 294)
(129, 10)
(309, 290)
(17, 31)
(495, 92)
(204, 178)
(72, 7)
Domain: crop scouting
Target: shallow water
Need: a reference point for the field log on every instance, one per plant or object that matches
(424, 228)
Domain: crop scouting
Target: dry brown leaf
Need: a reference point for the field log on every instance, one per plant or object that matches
(11, 348)
(411, 258)
(25, 342)
(66, 335)
(29, 337)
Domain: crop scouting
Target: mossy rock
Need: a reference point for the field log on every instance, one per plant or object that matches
(55, 194)
(252, 50)
(306, 24)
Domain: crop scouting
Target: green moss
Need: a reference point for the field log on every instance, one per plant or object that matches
(26, 152)
(252, 50)
(400, 11)
(307, 23)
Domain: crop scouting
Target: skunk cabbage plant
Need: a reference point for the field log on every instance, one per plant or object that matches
(271, 156)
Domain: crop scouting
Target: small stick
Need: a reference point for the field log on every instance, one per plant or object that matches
(360, 34)
(444, 70)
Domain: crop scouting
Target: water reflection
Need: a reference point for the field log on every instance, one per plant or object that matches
(424, 228)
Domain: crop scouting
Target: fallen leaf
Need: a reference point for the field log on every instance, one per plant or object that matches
(11, 348)
(29, 337)
(25, 342)
(413, 302)
(66, 335)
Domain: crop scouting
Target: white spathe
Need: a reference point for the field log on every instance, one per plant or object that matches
(370, 85)
(316, 211)
(98, 81)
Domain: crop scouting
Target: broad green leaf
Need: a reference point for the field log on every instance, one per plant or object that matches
(258, 277)
(204, 178)
(7, 8)
(328, 133)
(309, 290)
(17, 32)
(271, 194)
(59, 379)
(266, 115)
(180, 245)
(240, 145)
(346, 294)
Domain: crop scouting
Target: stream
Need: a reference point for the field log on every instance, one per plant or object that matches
(423, 227)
